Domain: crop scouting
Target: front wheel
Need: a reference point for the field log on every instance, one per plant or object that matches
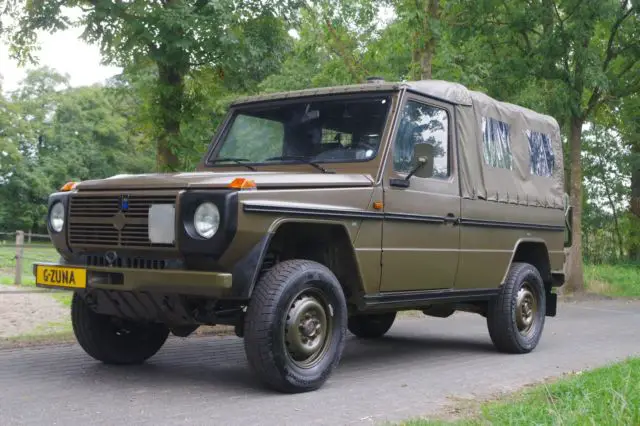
(295, 326)
(516, 317)
(114, 340)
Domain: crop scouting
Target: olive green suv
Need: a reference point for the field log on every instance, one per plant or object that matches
(320, 211)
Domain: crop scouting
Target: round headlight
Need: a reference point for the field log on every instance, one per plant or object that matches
(206, 220)
(56, 217)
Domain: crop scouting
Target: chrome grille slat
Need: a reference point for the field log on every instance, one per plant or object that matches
(91, 216)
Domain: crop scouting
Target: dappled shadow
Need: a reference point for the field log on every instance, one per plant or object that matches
(397, 349)
(219, 364)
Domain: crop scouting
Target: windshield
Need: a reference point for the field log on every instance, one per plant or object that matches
(325, 131)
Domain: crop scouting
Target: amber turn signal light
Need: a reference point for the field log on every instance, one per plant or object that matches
(243, 184)
(377, 205)
(69, 186)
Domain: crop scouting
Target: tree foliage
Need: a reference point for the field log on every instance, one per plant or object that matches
(242, 41)
(54, 134)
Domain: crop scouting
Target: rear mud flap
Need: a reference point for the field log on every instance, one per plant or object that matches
(552, 304)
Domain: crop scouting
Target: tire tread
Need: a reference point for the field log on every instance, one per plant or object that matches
(502, 329)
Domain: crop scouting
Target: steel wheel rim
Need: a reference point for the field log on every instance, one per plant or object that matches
(307, 329)
(526, 309)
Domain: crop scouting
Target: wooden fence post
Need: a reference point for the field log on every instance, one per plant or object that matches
(29, 237)
(19, 256)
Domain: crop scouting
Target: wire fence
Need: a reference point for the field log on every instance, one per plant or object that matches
(19, 250)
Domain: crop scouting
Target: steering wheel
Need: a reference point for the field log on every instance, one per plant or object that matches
(366, 145)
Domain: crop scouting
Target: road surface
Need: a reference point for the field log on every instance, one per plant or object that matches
(414, 371)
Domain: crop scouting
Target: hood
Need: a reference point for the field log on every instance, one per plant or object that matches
(210, 180)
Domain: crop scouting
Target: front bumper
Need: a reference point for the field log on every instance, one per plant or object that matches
(166, 281)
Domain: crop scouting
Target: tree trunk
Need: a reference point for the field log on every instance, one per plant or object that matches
(426, 41)
(616, 222)
(575, 277)
(426, 60)
(171, 98)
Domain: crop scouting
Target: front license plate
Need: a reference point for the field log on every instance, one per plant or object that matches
(57, 276)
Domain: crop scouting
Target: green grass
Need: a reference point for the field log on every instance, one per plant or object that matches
(605, 396)
(32, 253)
(613, 280)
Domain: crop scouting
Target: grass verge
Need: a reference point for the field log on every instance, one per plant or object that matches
(606, 396)
(37, 339)
(613, 280)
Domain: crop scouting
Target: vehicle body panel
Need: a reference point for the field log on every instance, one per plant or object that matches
(420, 243)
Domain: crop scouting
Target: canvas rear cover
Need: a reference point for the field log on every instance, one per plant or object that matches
(509, 154)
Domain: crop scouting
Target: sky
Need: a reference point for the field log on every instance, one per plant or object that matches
(63, 51)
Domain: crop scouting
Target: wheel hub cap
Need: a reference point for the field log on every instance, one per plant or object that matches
(526, 309)
(306, 330)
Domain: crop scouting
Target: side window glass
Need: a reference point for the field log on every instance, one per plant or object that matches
(540, 152)
(420, 123)
(496, 143)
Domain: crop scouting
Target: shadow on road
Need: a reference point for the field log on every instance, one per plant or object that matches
(219, 363)
(397, 349)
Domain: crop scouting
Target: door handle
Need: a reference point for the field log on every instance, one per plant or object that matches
(451, 218)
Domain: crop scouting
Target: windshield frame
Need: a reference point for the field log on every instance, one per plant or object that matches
(218, 140)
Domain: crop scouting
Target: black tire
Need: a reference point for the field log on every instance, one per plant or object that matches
(371, 326)
(507, 314)
(114, 341)
(274, 326)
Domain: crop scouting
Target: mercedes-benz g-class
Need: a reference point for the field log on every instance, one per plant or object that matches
(320, 211)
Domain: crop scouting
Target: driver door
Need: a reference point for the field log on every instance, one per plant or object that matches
(421, 237)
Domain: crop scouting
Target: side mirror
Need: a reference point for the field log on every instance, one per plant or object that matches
(423, 165)
(423, 156)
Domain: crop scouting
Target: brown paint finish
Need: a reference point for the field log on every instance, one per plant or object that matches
(486, 245)
(368, 247)
(421, 254)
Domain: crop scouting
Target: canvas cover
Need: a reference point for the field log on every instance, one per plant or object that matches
(525, 165)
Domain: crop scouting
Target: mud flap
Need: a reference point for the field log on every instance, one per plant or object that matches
(552, 304)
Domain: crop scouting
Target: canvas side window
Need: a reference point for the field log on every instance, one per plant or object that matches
(496, 143)
(540, 153)
(421, 123)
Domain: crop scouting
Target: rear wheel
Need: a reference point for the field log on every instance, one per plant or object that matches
(371, 326)
(113, 340)
(295, 326)
(516, 317)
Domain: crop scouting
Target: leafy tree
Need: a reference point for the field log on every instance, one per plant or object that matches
(8, 150)
(56, 134)
(176, 37)
(606, 162)
(626, 116)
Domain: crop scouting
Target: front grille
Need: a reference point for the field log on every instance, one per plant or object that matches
(99, 221)
(126, 262)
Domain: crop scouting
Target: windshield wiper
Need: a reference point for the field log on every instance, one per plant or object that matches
(240, 161)
(301, 160)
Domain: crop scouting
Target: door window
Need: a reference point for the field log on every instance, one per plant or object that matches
(421, 123)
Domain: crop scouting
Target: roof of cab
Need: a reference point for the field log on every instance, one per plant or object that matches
(454, 93)
(447, 91)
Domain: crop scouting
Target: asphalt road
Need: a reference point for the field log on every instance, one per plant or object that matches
(205, 381)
